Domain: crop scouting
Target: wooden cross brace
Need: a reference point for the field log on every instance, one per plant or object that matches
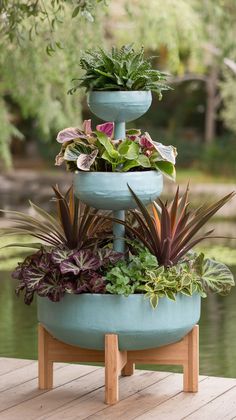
(184, 352)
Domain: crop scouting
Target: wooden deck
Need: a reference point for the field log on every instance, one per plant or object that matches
(79, 393)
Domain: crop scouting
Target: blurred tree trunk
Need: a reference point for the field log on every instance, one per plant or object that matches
(212, 104)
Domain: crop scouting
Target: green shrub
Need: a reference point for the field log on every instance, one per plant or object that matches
(220, 157)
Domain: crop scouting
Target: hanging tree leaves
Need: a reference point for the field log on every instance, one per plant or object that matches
(19, 17)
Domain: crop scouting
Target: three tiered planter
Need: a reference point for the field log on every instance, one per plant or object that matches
(116, 329)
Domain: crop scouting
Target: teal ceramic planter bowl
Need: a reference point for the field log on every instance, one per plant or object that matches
(109, 190)
(83, 320)
(119, 106)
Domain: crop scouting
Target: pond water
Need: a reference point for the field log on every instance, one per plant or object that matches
(18, 330)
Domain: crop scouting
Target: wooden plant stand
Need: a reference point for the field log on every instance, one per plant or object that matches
(184, 352)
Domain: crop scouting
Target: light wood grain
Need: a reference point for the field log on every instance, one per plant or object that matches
(182, 405)
(24, 387)
(128, 369)
(115, 360)
(191, 364)
(47, 402)
(93, 402)
(11, 364)
(143, 401)
(79, 389)
(45, 364)
(184, 352)
(222, 407)
(111, 369)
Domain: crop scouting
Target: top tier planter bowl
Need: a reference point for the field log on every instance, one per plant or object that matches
(120, 107)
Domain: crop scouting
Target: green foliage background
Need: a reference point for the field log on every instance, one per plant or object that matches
(37, 83)
(188, 36)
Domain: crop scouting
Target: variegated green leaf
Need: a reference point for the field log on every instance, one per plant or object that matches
(217, 276)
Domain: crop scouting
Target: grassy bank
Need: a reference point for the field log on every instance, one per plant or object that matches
(196, 176)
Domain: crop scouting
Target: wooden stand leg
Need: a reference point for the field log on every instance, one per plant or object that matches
(115, 361)
(45, 366)
(191, 365)
(128, 369)
(111, 369)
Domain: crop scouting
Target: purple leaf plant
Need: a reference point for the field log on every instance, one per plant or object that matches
(53, 272)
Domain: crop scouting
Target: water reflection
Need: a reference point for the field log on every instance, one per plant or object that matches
(18, 323)
(18, 330)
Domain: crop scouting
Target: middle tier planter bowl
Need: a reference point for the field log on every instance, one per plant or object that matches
(109, 190)
(83, 320)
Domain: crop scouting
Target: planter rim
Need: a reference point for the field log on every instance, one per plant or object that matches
(132, 296)
(117, 91)
(117, 173)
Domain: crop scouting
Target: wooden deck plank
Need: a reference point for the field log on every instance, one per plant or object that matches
(79, 394)
(142, 401)
(183, 404)
(94, 402)
(57, 397)
(22, 374)
(14, 378)
(221, 408)
(29, 389)
(7, 364)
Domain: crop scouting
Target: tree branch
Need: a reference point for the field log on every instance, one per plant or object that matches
(216, 51)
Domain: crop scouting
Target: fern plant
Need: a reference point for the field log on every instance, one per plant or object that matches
(119, 69)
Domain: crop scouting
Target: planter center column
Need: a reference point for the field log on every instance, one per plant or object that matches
(118, 229)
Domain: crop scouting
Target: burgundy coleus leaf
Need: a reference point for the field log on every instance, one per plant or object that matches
(106, 128)
(108, 256)
(69, 266)
(32, 277)
(70, 286)
(87, 127)
(44, 262)
(86, 260)
(133, 138)
(52, 288)
(146, 141)
(60, 255)
(97, 283)
(91, 282)
(81, 288)
(84, 161)
(69, 134)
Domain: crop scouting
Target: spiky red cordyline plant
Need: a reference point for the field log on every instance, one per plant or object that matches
(170, 231)
(74, 225)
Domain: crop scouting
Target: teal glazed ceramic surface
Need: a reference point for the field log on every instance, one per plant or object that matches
(119, 106)
(109, 190)
(83, 320)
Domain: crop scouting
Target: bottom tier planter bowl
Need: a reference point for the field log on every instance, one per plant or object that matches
(109, 190)
(83, 320)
